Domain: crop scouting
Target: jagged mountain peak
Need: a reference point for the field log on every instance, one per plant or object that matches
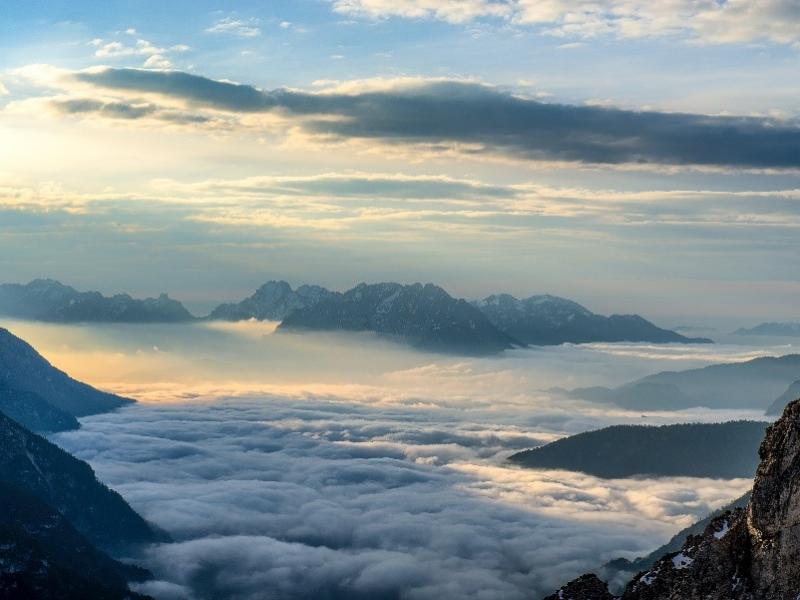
(272, 301)
(424, 315)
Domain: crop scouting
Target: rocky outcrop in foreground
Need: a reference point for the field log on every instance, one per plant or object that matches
(746, 554)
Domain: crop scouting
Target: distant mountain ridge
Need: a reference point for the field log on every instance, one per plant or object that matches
(425, 316)
(771, 329)
(545, 320)
(720, 450)
(50, 300)
(753, 384)
(538, 320)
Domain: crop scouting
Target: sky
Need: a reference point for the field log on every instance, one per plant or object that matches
(634, 156)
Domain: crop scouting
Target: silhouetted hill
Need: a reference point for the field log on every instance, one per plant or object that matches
(43, 556)
(273, 301)
(23, 369)
(49, 300)
(550, 320)
(424, 316)
(723, 450)
(772, 329)
(37, 467)
(753, 384)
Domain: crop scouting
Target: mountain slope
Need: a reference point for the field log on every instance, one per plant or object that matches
(675, 543)
(49, 300)
(549, 320)
(424, 316)
(34, 412)
(744, 554)
(273, 301)
(724, 450)
(37, 467)
(752, 384)
(25, 370)
(43, 556)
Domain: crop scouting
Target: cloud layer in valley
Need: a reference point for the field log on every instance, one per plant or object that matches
(334, 500)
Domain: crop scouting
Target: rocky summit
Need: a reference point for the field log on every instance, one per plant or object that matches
(273, 301)
(746, 554)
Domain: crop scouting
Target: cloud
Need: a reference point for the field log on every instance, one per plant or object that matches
(705, 21)
(238, 27)
(481, 119)
(452, 11)
(156, 57)
(326, 498)
(126, 111)
(157, 61)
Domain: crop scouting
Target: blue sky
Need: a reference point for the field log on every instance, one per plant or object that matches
(634, 156)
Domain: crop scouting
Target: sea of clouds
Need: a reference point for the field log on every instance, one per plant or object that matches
(271, 497)
(382, 476)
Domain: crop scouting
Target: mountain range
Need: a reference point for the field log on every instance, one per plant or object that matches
(761, 384)
(424, 316)
(750, 553)
(718, 450)
(435, 320)
(538, 320)
(49, 300)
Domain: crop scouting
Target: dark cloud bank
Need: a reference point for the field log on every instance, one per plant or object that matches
(312, 499)
(474, 114)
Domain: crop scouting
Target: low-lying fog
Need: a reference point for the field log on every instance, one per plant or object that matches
(340, 466)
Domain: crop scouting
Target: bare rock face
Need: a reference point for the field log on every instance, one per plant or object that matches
(745, 554)
(585, 587)
(712, 566)
(773, 517)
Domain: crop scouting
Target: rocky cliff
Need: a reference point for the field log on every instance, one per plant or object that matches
(746, 554)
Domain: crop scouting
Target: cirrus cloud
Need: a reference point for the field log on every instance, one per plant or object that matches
(705, 21)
